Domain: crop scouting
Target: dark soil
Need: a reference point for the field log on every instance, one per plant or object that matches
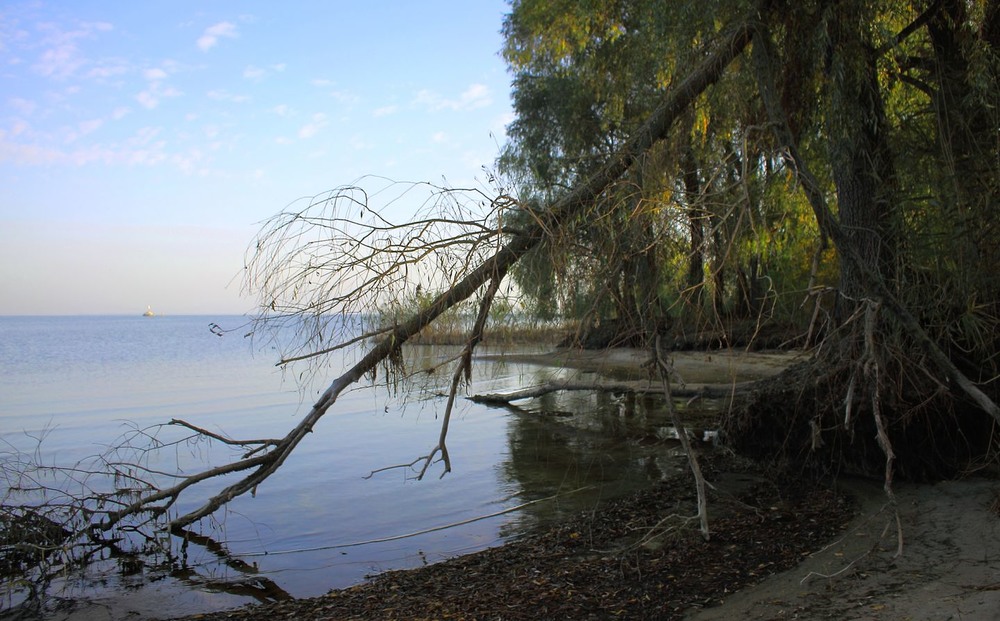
(592, 567)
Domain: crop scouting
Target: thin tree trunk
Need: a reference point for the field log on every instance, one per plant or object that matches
(862, 165)
(696, 227)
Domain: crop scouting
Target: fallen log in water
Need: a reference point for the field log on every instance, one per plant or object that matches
(707, 391)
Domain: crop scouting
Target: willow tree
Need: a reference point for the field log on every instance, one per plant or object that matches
(580, 87)
(891, 111)
(585, 75)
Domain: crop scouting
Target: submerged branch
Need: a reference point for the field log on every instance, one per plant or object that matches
(221, 438)
(463, 371)
(706, 391)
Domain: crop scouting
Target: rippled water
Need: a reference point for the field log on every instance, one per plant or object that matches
(78, 382)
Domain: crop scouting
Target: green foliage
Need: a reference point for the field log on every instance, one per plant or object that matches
(585, 75)
(864, 83)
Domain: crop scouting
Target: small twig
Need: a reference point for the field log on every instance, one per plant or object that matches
(656, 530)
(663, 368)
(210, 434)
(396, 467)
(330, 350)
(869, 552)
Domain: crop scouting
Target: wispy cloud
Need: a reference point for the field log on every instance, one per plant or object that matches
(345, 97)
(89, 127)
(26, 107)
(73, 145)
(476, 96)
(384, 111)
(156, 89)
(341, 96)
(155, 93)
(253, 72)
(61, 56)
(145, 135)
(29, 154)
(82, 129)
(105, 69)
(144, 147)
(319, 121)
(224, 95)
(210, 38)
(147, 100)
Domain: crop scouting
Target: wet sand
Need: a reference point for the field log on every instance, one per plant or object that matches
(932, 554)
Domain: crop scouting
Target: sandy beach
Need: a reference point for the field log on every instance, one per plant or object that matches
(932, 554)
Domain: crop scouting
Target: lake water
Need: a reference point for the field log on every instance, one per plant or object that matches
(79, 382)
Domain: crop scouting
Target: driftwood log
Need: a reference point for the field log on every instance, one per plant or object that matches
(691, 391)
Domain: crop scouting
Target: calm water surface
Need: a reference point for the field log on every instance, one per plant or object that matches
(78, 382)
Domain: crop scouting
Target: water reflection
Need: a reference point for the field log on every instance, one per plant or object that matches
(607, 444)
(250, 584)
(297, 538)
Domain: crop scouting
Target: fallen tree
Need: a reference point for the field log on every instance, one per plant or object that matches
(286, 262)
(637, 387)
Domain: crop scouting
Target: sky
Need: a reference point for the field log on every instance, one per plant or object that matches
(143, 144)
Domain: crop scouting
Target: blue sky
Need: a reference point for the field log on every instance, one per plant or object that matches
(143, 143)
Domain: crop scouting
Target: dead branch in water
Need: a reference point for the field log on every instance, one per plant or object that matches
(705, 391)
(663, 369)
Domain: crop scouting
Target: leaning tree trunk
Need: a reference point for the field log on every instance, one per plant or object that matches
(258, 465)
(859, 155)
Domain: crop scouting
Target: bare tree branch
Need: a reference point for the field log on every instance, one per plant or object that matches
(663, 369)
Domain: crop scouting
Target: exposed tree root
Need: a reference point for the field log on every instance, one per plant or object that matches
(804, 419)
